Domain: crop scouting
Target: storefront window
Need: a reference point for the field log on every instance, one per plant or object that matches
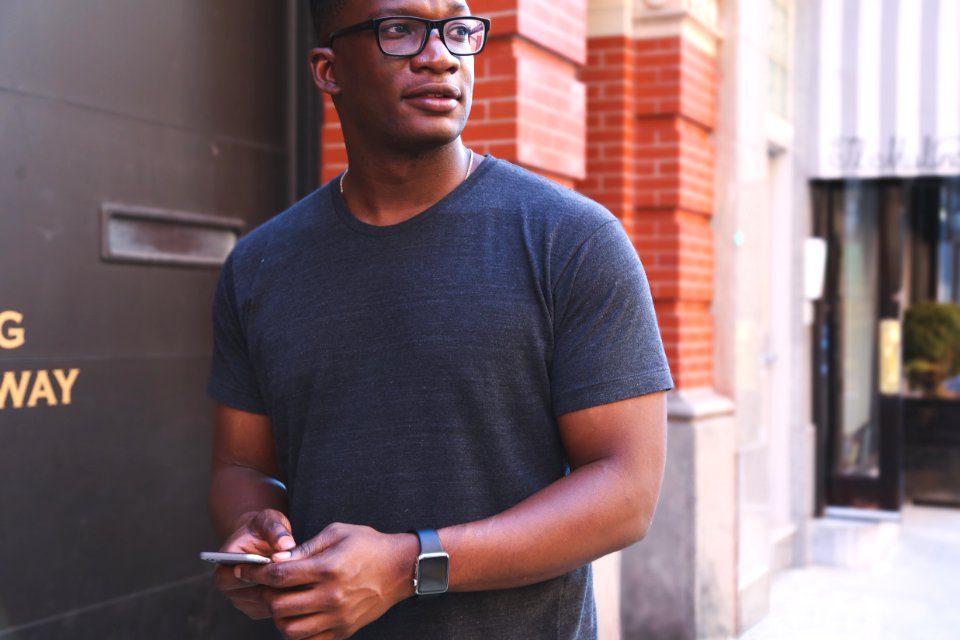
(935, 290)
(948, 254)
(893, 276)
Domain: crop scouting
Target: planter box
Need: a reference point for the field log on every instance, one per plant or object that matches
(931, 430)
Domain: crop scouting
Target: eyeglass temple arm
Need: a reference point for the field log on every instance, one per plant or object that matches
(357, 27)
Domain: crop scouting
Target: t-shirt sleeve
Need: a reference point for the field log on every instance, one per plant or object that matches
(232, 379)
(607, 342)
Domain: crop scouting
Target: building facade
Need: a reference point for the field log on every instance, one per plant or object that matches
(789, 173)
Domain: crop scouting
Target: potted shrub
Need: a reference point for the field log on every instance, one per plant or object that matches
(931, 345)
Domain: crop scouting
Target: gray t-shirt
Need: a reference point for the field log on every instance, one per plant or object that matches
(413, 373)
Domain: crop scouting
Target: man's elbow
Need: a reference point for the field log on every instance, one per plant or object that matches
(637, 525)
(637, 516)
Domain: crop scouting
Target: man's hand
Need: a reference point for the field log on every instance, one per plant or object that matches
(334, 584)
(265, 533)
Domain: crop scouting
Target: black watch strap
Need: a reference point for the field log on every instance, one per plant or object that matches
(429, 541)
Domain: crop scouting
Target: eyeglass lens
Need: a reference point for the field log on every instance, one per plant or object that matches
(404, 36)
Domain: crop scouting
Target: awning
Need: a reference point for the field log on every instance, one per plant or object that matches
(886, 88)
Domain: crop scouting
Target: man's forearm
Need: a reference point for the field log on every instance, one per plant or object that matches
(595, 510)
(236, 491)
(589, 513)
(617, 453)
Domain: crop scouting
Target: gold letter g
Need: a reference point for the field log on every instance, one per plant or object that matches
(12, 337)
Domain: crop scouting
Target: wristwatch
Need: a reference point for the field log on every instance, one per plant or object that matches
(432, 574)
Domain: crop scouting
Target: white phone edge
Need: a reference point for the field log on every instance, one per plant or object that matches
(221, 557)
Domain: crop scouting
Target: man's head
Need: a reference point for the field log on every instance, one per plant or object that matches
(402, 102)
(325, 14)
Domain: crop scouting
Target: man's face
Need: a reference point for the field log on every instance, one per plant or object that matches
(406, 104)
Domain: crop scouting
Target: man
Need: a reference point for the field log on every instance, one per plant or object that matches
(440, 377)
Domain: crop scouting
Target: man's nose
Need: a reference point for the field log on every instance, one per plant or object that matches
(435, 52)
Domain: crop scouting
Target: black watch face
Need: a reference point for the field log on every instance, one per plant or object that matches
(434, 573)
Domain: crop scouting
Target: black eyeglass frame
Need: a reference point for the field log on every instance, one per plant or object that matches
(439, 25)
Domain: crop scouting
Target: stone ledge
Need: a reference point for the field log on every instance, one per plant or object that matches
(696, 404)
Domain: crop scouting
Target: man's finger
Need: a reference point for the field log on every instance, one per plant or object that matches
(311, 627)
(274, 527)
(252, 601)
(253, 610)
(291, 603)
(224, 579)
(304, 550)
(280, 537)
(280, 575)
(258, 596)
(314, 546)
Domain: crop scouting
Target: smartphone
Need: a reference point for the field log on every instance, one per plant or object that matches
(222, 557)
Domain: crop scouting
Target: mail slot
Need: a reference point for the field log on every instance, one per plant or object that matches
(158, 236)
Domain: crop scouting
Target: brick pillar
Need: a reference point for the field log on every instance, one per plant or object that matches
(651, 105)
(611, 165)
(650, 160)
(528, 104)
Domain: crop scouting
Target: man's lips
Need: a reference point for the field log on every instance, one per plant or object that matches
(434, 90)
(434, 97)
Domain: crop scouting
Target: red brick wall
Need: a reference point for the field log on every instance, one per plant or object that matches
(652, 109)
(611, 126)
(333, 158)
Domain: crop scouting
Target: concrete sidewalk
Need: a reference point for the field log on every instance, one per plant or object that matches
(912, 594)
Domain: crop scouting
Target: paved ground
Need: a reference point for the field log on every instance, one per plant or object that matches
(912, 595)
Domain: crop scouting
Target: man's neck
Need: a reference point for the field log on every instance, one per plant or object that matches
(385, 189)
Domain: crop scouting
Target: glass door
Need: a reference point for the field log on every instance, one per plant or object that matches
(886, 385)
(857, 398)
(931, 351)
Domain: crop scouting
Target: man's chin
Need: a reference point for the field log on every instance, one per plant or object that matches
(420, 139)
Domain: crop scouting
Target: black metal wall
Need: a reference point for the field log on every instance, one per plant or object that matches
(179, 105)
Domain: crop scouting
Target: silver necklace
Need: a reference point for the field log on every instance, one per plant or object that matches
(469, 169)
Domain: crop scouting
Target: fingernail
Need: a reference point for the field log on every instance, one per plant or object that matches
(281, 555)
(237, 573)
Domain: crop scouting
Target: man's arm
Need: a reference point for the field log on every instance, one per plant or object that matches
(616, 454)
(247, 500)
(246, 476)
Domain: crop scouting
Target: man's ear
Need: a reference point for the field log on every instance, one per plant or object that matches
(321, 65)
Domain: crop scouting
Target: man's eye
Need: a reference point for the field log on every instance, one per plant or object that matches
(395, 30)
(458, 32)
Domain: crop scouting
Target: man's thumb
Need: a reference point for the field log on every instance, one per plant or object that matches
(312, 547)
(273, 527)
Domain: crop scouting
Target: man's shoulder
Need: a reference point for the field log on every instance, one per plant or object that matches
(561, 219)
(281, 232)
(509, 186)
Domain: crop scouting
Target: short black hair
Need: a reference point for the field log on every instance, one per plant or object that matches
(324, 13)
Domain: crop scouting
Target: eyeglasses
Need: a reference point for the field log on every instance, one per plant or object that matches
(406, 36)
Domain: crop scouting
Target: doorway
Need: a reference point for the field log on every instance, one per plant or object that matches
(138, 140)
(891, 252)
